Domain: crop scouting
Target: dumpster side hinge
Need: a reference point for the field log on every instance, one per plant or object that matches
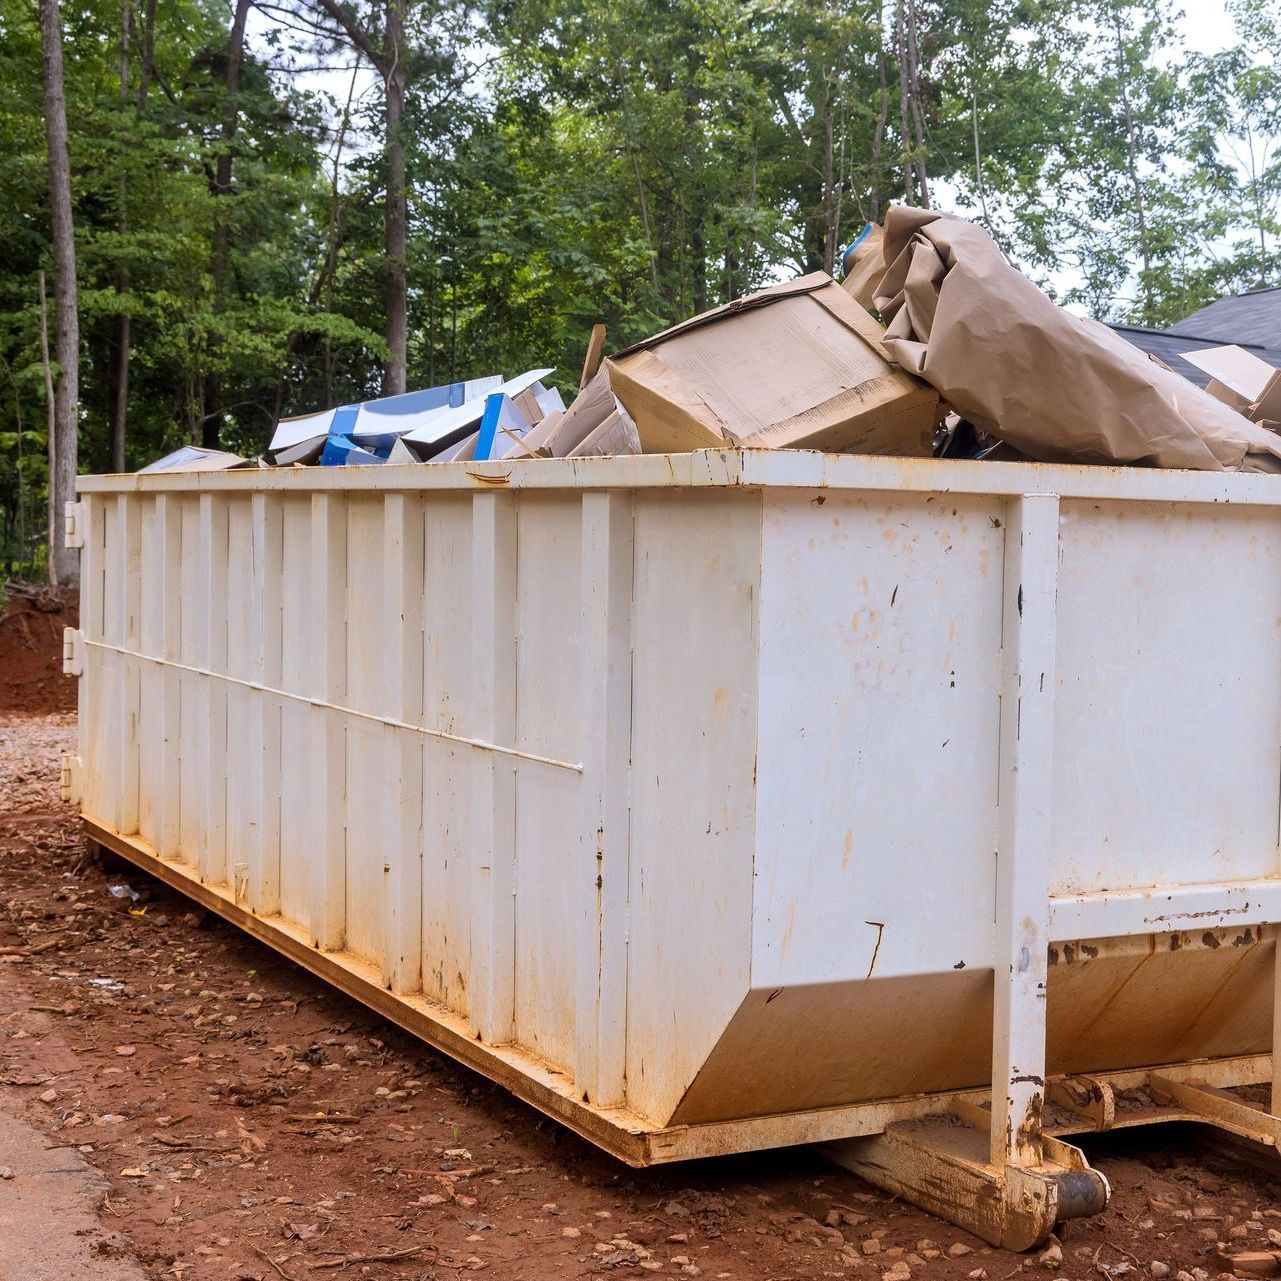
(73, 651)
(70, 781)
(74, 523)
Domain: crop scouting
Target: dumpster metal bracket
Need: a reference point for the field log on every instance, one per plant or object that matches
(1217, 1107)
(942, 1164)
(1088, 1097)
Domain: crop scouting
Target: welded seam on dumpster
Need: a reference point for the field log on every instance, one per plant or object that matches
(273, 692)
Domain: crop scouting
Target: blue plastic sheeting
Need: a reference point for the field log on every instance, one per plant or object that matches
(342, 451)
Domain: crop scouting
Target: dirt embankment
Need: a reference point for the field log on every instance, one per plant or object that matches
(31, 622)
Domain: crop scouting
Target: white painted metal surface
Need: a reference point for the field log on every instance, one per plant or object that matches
(723, 799)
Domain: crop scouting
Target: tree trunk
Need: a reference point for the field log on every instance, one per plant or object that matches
(148, 68)
(918, 120)
(397, 212)
(829, 185)
(695, 200)
(64, 564)
(391, 66)
(905, 131)
(220, 256)
(882, 114)
(51, 427)
(1132, 169)
(124, 325)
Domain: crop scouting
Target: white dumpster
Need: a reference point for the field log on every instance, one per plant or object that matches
(718, 801)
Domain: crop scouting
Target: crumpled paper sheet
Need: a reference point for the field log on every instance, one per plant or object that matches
(1058, 387)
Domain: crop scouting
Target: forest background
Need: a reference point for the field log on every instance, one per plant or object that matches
(280, 205)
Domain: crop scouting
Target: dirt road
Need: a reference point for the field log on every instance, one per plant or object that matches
(250, 1123)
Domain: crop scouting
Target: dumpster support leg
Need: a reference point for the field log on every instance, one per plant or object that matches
(941, 1164)
(1023, 829)
(994, 1172)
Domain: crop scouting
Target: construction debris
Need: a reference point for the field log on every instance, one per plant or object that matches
(933, 345)
(193, 458)
(1056, 387)
(1240, 379)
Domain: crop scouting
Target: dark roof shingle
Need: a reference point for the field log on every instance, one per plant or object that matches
(1247, 319)
(1168, 347)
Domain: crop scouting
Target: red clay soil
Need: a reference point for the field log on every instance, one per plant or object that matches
(31, 623)
(254, 1125)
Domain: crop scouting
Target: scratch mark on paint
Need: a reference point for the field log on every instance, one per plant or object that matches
(880, 931)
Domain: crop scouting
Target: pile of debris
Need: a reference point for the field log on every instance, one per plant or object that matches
(934, 345)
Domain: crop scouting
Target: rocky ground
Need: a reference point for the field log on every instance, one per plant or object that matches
(242, 1121)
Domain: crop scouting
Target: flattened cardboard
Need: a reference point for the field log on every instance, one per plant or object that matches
(193, 458)
(591, 407)
(461, 451)
(798, 365)
(616, 435)
(534, 442)
(1240, 379)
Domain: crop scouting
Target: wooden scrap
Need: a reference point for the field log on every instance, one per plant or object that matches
(591, 361)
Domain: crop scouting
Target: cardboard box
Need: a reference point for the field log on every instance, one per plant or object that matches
(798, 365)
(1241, 379)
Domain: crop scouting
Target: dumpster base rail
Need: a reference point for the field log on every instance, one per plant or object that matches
(933, 1149)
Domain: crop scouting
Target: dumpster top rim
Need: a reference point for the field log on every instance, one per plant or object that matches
(727, 468)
